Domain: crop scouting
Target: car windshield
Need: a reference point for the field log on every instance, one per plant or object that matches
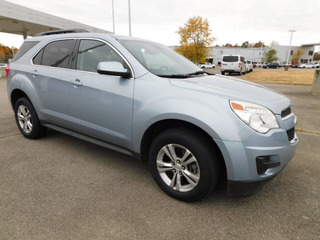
(230, 58)
(160, 60)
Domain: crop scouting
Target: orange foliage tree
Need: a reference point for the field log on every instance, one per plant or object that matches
(195, 39)
(6, 53)
(296, 55)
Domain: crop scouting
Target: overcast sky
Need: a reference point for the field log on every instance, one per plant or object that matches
(232, 21)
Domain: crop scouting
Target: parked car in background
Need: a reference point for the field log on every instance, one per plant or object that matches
(249, 66)
(3, 65)
(207, 65)
(233, 64)
(272, 65)
(145, 100)
(294, 64)
(309, 65)
(317, 64)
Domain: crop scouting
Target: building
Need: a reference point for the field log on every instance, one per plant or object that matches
(256, 54)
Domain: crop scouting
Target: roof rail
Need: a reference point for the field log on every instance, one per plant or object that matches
(61, 31)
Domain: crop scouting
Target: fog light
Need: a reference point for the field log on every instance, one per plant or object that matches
(263, 164)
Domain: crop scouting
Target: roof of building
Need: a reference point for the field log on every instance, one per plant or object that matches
(16, 19)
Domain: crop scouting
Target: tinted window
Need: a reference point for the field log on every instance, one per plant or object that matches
(25, 47)
(57, 54)
(91, 52)
(38, 58)
(230, 59)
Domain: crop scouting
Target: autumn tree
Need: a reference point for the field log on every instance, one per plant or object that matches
(297, 54)
(227, 45)
(270, 56)
(6, 53)
(259, 45)
(195, 39)
(316, 56)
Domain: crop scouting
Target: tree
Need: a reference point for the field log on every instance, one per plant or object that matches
(227, 45)
(195, 39)
(270, 56)
(297, 54)
(316, 56)
(259, 45)
(6, 53)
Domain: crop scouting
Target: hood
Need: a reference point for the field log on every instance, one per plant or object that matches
(235, 89)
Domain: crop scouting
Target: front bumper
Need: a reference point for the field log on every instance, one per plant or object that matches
(244, 189)
(256, 160)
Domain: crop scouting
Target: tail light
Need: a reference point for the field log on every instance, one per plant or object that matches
(7, 71)
(220, 64)
(239, 64)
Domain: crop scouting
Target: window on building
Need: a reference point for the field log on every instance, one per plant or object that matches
(310, 53)
(291, 52)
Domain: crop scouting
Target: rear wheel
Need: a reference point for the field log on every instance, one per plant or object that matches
(222, 73)
(183, 164)
(27, 119)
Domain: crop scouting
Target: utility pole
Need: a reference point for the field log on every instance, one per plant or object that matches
(129, 8)
(292, 31)
(114, 29)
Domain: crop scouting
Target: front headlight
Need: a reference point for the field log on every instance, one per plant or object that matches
(257, 117)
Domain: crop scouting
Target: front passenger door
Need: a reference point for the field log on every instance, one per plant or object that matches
(100, 105)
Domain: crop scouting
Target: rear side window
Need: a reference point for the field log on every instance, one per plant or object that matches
(56, 54)
(230, 59)
(25, 47)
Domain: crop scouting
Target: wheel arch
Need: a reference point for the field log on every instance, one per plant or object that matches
(156, 128)
(16, 94)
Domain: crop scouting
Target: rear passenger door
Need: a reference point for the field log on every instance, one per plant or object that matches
(100, 105)
(51, 76)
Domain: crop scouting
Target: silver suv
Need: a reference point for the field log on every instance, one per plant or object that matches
(145, 100)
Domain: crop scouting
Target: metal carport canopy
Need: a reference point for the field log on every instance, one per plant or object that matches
(16, 19)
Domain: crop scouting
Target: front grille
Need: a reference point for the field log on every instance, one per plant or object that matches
(290, 134)
(286, 112)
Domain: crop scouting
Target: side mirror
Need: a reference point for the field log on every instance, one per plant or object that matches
(113, 68)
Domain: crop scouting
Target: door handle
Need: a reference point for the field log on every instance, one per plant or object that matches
(77, 83)
(35, 73)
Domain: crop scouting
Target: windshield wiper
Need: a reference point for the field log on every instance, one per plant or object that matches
(188, 75)
(175, 76)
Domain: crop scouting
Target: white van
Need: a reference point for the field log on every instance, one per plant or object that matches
(233, 64)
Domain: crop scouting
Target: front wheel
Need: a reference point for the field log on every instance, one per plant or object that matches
(184, 164)
(27, 119)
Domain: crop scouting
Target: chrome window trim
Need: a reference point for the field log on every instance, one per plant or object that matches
(85, 38)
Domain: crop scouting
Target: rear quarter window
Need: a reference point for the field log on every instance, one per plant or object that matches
(25, 47)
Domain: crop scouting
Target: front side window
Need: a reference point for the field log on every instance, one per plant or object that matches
(91, 52)
(56, 54)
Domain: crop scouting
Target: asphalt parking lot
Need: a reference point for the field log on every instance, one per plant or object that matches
(59, 187)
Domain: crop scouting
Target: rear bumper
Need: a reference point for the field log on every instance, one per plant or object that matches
(231, 70)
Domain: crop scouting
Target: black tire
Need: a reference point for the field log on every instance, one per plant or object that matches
(206, 165)
(239, 73)
(222, 73)
(27, 119)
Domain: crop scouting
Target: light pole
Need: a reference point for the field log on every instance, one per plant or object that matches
(292, 31)
(129, 17)
(114, 29)
(261, 52)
